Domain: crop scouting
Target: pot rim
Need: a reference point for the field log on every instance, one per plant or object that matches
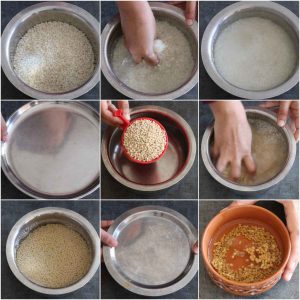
(243, 284)
(129, 92)
(291, 155)
(24, 15)
(206, 50)
(78, 218)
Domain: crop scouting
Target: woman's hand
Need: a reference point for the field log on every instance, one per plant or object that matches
(189, 8)
(232, 138)
(139, 28)
(4, 134)
(106, 238)
(107, 112)
(292, 219)
(284, 110)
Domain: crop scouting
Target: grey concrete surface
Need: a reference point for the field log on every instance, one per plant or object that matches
(11, 212)
(110, 210)
(208, 290)
(207, 88)
(187, 188)
(8, 10)
(8, 190)
(209, 188)
(108, 11)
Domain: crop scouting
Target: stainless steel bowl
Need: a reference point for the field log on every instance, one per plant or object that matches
(113, 31)
(56, 215)
(43, 12)
(265, 9)
(255, 113)
(166, 172)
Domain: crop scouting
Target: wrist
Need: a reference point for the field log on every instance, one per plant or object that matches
(228, 109)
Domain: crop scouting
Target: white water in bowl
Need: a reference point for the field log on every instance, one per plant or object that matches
(255, 54)
(174, 69)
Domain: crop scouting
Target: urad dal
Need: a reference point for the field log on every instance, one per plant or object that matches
(175, 66)
(255, 54)
(269, 150)
(144, 140)
(247, 253)
(54, 57)
(54, 256)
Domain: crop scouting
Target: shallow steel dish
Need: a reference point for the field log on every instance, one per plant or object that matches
(50, 215)
(169, 170)
(112, 32)
(53, 149)
(154, 255)
(44, 12)
(254, 113)
(265, 9)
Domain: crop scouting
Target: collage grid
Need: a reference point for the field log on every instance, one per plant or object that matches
(52, 134)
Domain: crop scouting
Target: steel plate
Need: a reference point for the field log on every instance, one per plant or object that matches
(153, 256)
(164, 173)
(53, 149)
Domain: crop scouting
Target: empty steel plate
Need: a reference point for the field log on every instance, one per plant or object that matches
(167, 171)
(154, 254)
(53, 149)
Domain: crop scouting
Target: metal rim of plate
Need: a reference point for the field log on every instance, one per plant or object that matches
(160, 291)
(192, 144)
(17, 182)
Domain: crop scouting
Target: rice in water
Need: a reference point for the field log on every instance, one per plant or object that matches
(54, 57)
(174, 69)
(54, 256)
(269, 151)
(255, 54)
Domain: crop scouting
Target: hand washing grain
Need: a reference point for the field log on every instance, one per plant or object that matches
(269, 150)
(175, 67)
(54, 57)
(144, 140)
(54, 256)
(247, 253)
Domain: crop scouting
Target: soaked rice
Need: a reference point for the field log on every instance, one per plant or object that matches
(255, 54)
(54, 57)
(175, 67)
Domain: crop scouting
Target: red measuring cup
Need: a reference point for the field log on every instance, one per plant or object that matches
(119, 113)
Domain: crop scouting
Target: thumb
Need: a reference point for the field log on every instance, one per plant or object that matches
(190, 12)
(108, 239)
(4, 134)
(283, 112)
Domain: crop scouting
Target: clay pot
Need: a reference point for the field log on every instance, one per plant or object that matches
(248, 214)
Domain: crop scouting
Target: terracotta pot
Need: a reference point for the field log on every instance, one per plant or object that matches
(248, 214)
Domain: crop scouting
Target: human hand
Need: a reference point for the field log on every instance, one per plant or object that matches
(107, 112)
(139, 28)
(189, 8)
(292, 219)
(195, 248)
(4, 134)
(106, 238)
(232, 138)
(284, 110)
